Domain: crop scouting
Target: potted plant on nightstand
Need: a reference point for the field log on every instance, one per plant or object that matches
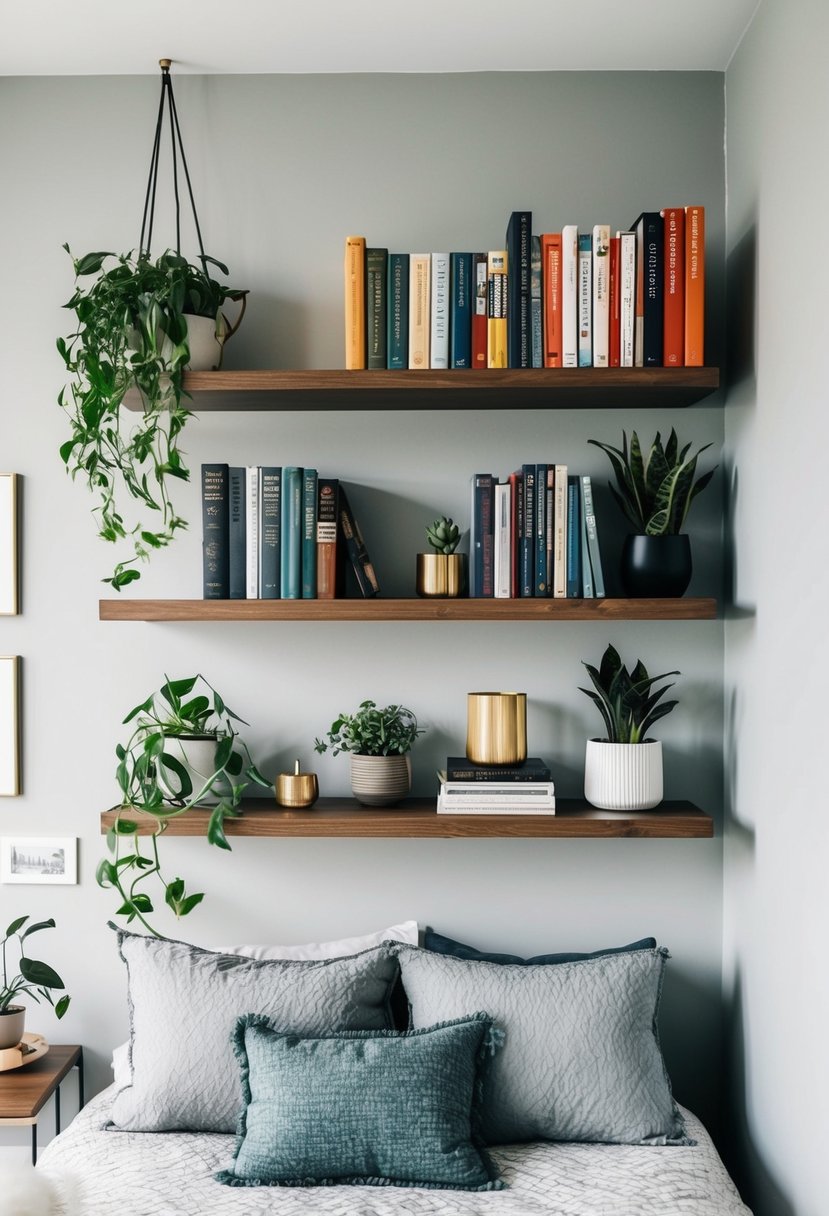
(379, 742)
(655, 492)
(623, 772)
(443, 571)
(34, 979)
(184, 753)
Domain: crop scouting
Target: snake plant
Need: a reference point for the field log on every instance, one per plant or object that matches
(655, 491)
(627, 700)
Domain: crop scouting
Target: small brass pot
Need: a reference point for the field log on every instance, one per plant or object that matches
(296, 789)
(441, 575)
(496, 730)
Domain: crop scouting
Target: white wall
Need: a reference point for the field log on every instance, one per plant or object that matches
(777, 428)
(284, 168)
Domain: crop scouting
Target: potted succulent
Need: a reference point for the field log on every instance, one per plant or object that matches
(184, 752)
(379, 742)
(139, 321)
(655, 491)
(623, 772)
(33, 978)
(443, 571)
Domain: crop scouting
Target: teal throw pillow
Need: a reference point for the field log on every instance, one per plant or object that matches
(362, 1107)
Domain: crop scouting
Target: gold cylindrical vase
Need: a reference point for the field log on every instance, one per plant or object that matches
(496, 727)
(441, 575)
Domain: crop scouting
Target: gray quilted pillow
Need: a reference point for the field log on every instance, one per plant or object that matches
(581, 1057)
(184, 1003)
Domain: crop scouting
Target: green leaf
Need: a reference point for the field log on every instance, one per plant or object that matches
(41, 924)
(61, 1006)
(39, 973)
(189, 903)
(215, 828)
(16, 925)
(106, 875)
(91, 263)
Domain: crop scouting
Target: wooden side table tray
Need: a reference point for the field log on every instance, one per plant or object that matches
(25, 1091)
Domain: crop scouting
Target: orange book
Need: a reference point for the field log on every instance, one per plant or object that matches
(551, 297)
(355, 302)
(694, 286)
(673, 300)
(615, 308)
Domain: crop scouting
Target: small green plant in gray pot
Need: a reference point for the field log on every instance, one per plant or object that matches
(655, 491)
(33, 979)
(378, 742)
(623, 771)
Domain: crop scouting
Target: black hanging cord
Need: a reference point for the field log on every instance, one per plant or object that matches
(177, 146)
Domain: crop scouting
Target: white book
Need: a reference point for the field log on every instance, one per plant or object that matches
(497, 791)
(601, 295)
(585, 301)
(569, 296)
(253, 508)
(627, 294)
(439, 343)
(503, 541)
(560, 533)
(495, 809)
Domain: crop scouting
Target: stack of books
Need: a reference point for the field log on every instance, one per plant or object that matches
(484, 789)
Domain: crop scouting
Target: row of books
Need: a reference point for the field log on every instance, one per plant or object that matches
(272, 532)
(561, 299)
(477, 789)
(534, 534)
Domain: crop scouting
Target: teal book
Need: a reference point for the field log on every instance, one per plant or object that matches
(376, 272)
(592, 531)
(291, 549)
(270, 527)
(309, 534)
(573, 540)
(460, 329)
(397, 312)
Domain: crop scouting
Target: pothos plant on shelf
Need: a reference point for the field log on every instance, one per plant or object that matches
(184, 752)
(132, 331)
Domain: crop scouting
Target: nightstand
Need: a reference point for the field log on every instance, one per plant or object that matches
(25, 1091)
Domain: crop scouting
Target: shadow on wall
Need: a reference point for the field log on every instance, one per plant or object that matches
(741, 281)
(696, 1079)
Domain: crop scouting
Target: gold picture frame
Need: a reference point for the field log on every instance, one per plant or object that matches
(9, 562)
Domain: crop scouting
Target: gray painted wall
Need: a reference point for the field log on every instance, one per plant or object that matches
(776, 657)
(284, 168)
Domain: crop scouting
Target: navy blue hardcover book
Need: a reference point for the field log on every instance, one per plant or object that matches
(309, 534)
(215, 539)
(650, 262)
(519, 309)
(236, 533)
(376, 326)
(270, 533)
(460, 328)
(526, 544)
(540, 526)
(459, 768)
(574, 588)
(481, 555)
(397, 338)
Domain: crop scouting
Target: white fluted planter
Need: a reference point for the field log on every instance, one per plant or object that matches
(380, 780)
(623, 776)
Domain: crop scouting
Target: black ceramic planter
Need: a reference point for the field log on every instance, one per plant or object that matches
(657, 567)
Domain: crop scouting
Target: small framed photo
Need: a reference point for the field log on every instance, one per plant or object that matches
(9, 575)
(9, 726)
(30, 859)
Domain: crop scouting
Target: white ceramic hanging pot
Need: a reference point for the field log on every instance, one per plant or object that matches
(380, 780)
(198, 757)
(623, 776)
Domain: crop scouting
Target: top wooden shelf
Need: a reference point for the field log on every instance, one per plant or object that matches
(495, 388)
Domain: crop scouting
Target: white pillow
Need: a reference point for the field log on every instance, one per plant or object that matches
(406, 932)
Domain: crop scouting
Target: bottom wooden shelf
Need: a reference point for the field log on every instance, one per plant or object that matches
(417, 817)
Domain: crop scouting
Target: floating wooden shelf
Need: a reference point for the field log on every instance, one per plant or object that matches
(496, 388)
(417, 817)
(680, 609)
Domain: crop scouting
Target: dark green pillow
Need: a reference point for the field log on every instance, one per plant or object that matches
(367, 1108)
(446, 945)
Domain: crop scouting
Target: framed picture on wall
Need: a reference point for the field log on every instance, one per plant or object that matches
(40, 859)
(9, 576)
(9, 726)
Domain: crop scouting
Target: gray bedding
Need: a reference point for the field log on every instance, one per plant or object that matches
(171, 1174)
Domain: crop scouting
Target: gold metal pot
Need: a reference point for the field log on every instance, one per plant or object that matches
(441, 574)
(296, 789)
(496, 731)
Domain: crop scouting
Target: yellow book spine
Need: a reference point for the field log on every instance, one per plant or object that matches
(355, 303)
(420, 309)
(496, 325)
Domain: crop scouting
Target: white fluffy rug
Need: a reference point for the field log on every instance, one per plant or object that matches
(25, 1191)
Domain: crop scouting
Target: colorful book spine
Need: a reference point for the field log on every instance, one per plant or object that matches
(573, 539)
(355, 302)
(586, 570)
(460, 325)
(694, 286)
(439, 339)
(673, 335)
(253, 515)
(615, 309)
(560, 533)
(270, 534)
(540, 527)
(236, 533)
(377, 264)
(310, 478)
(536, 303)
(627, 296)
(601, 295)
(526, 559)
(553, 330)
(481, 555)
(497, 308)
(569, 296)
(650, 257)
(397, 337)
(420, 309)
(479, 310)
(360, 561)
(585, 300)
(519, 326)
(328, 493)
(593, 549)
(215, 501)
(291, 523)
(502, 543)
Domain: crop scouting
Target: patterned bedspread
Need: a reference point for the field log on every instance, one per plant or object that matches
(171, 1174)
